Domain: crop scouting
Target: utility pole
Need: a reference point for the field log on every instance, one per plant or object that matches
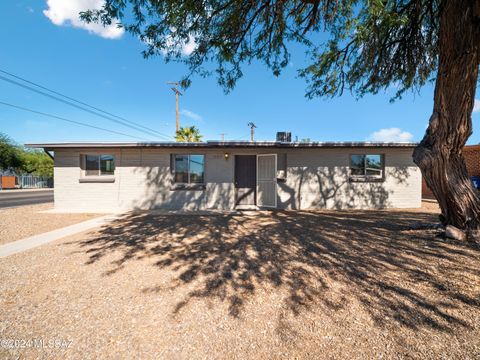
(222, 136)
(252, 131)
(177, 92)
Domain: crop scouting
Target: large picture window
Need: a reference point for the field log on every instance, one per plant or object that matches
(97, 165)
(366, 166)
(189, 169)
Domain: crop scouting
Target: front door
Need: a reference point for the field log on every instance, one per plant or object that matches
(267, 180)
(245, 179)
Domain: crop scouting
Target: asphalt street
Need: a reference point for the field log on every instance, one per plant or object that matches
(25, 197)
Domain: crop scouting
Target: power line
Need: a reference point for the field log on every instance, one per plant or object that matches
(68, 120)
(74, 105)
(122, 121)
(80, 102)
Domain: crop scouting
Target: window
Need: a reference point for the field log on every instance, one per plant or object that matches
(366, 166)
(96, 165)
(189, 169)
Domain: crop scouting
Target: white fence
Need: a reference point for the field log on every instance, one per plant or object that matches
(34, 182)
(25, 182)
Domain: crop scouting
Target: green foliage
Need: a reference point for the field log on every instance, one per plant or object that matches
(23, 161)
(358, 45)
(36, 162)
(9, 154)
(188, 134)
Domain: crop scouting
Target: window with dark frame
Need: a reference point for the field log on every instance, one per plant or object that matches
(189, 168)
(367, 166)
(99, 165)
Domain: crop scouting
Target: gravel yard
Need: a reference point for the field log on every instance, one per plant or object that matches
(323, 284)
(24, 221)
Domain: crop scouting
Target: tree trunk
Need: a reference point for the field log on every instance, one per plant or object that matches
(439, 155)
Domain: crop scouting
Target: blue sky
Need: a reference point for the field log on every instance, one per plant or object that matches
(44, 43)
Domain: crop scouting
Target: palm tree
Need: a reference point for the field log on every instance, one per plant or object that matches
(188, 134)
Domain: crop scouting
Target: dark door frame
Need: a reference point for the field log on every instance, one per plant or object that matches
(251, 176)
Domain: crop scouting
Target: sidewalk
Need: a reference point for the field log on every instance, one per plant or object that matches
(6, 191)
(37, 240)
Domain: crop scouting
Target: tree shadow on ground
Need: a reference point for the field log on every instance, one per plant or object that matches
(323, 259)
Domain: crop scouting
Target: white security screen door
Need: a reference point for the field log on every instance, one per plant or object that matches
(267, 180)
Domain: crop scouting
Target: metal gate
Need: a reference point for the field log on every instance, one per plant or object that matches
(34, 182)
(267, 180)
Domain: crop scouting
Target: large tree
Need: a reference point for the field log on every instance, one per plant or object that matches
(35, 162)
(16, 158)
(9, 155)
(364, 46)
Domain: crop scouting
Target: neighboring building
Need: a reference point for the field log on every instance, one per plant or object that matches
(472, 160)
(105, 177)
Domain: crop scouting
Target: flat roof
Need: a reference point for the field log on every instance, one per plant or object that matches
(221, 144)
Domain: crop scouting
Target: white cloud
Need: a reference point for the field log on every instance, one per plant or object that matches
(476, 105)
(189, 47)
(67, 12)
(191, 115)
(186, 48)
(391, 135)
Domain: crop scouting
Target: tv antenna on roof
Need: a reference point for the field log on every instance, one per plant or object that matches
(252, 131)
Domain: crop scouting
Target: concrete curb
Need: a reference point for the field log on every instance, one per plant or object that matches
(37, 240)
(23, 191)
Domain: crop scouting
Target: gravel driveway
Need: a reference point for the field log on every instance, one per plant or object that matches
(345, 284)
(24, 221)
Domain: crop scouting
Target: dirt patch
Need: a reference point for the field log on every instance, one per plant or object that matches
(24, 221)
(284, 284)
(428, 205)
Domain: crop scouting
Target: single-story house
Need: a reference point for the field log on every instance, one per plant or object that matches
(226, 175)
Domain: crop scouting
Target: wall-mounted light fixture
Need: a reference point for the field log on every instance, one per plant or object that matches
(226, 156)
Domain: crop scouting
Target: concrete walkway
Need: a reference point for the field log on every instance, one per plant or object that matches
(37, 240)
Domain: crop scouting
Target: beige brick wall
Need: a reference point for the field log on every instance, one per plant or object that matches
(316, 178)
(142, 180)
(319, 178)
(71, 195)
